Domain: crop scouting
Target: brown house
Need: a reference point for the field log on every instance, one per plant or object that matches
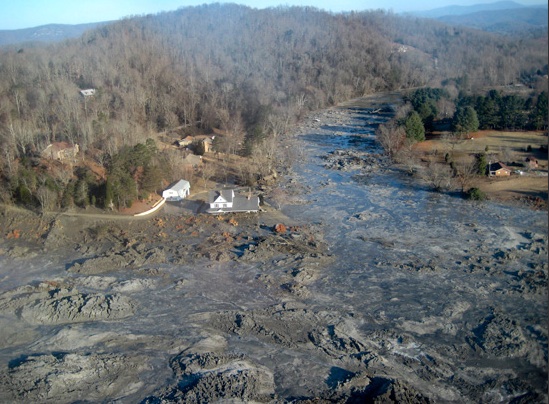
(60, 151)
(498, 170)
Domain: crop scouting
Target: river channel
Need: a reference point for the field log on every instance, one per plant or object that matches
(430, 268)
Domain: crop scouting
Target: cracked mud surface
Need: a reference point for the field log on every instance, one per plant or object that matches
(374, 290)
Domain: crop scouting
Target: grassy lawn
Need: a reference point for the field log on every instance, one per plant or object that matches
(501, 145)
(507, 147)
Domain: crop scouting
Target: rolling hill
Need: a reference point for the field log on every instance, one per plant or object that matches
(511, 21)
(46, 33)
(243, 72)
(503, 17)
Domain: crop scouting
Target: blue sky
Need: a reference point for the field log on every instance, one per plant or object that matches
(15, 14)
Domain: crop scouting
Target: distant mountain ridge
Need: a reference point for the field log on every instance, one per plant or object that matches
(502, 21)
(46, 33)
(462, 10)
(503, 17)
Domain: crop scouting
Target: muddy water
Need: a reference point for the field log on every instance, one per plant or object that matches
(385, 289)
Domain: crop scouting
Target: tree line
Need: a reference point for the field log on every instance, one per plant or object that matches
(491, 110)
(250, 73)
(464, 114)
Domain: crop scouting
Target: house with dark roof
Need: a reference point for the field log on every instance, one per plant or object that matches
(498, 170)
(226, 200)
(177, 191)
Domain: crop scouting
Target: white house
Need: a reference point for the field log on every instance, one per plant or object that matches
(177, 191)
(221, 199)
(224, 201)
(87, 92)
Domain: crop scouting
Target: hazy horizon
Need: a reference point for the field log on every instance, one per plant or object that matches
(34, 13)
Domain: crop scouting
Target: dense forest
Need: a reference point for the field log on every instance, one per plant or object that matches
(492, 110)
(247, 73)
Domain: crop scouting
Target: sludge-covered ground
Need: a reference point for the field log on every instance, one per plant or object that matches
(378, 290)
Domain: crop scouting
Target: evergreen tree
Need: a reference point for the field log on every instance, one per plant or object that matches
(151, 146)
(81, 193)
(109, 193)
(414, 127)
(67, 199)
(487, 112)
(538, 115)
(424, 101)
(152, 179)
(481, 163)
(465, 120)
(511, 112)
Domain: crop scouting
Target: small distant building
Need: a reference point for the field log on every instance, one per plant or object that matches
(185, 142)
(226, 200)
(178, 191)
(498, 170)
(61, 151)
(88, 92)
(208, 142)
(531, 162)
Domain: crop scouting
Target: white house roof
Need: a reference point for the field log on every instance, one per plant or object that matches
(180, 185)
(87, 92)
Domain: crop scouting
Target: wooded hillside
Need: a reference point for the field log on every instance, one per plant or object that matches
(249, 73)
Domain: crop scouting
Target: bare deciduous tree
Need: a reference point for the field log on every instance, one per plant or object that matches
(279, 197)
(46, 197)
(452, 139)
(407, 157)
(465, 172)
(391, 137)
(207, 171)
(437, 176)
(507, 154)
